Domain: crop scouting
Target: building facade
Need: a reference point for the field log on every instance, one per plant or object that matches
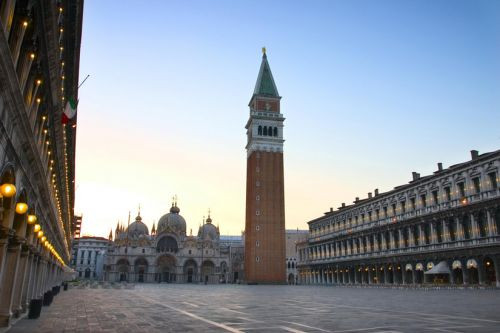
(442, 228)
(169, 255)
(88, 255)
(293, 237)
(265, 198)
(39, 62)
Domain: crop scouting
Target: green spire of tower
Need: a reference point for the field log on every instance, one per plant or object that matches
(265, 82)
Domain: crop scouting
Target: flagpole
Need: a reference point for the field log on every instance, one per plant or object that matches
(81, 84)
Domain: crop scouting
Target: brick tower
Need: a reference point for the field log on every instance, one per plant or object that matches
(265, 206)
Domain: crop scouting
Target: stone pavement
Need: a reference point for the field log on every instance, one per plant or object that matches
(241, 308)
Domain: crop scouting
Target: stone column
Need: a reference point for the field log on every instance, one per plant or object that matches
(475, 229)
(465, 274)
(452, 275)
(33, 279)
(480, 272)
(377, 273)
(6, 19)
(411, 237)
(421, 236)
(460, 229)
(386, 274)
(21, 276)
(446, 231)
(496, 262)
(401, 239)
(433, 233)
(40, 278)
(391, 239)
(491, 222)
(9, 282)
(27, 282)
(4, 240)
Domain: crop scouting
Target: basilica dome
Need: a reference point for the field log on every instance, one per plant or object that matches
(172, 221)
(137, 228)
(208, 231)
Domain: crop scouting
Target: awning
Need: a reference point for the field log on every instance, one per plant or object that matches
(441, 268)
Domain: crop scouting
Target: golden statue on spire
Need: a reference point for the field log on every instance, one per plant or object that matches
(264, 50)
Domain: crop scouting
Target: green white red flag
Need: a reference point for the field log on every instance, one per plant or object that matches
(69, 111)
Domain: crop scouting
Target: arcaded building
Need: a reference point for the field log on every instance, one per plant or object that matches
(443, 228)
(39, 64)
(265, 197)
(169, 255)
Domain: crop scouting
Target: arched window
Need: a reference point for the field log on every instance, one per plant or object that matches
(259, 131)
(289, 265)
(293, 265)
(265, 130)
(275, 131)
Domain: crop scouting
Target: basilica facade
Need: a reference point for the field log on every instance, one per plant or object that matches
(168, 254)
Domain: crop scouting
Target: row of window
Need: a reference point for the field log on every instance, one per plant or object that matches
(450, 230)
(423, 201)
(267, 131)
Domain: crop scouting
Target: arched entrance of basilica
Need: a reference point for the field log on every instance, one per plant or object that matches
(166, 269)
(190, 269)
(141, 267)
(122, 267)
(207, 271)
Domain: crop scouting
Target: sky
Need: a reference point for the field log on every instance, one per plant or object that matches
(371, 91)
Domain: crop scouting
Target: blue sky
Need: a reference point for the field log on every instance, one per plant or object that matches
(372, 90)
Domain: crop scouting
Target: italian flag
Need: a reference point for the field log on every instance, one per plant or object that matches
(69, 111)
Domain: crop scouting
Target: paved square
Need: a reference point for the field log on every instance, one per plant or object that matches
(241, 308)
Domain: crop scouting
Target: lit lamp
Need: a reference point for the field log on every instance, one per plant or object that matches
(46, 243)
(21, 208)
(32, 218)
(39, 234)
(36, 228)
(43, 239)
(8, 190)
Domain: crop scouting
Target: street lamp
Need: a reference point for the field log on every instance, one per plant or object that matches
(31, 218)
(21, 208)
(8, 190)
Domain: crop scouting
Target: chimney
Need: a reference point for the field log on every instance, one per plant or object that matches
(357, 199)
(474, 154)
(440, 166)
(331, 209)
(415, 175)
(376, 191)
(369, 195)
(343, 205)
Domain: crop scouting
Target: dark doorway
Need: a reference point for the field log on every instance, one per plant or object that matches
(141, 275)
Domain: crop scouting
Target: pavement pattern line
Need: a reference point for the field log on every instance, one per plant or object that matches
(289, 329)
(306, 326)
(192, 315)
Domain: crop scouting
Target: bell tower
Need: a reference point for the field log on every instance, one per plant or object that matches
(265, 198)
